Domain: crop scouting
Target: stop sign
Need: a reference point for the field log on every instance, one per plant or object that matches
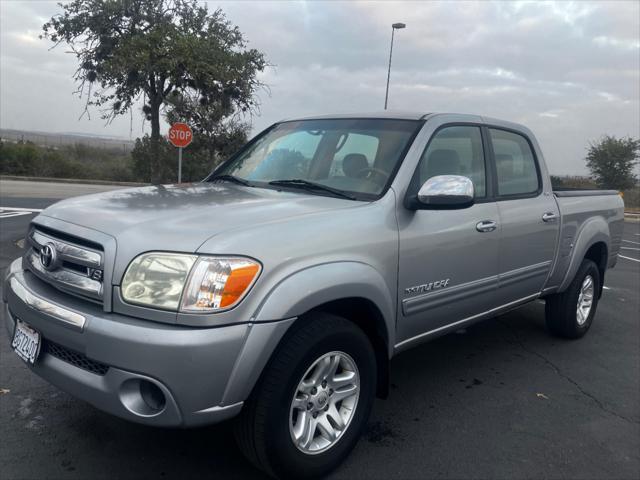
(180, 135)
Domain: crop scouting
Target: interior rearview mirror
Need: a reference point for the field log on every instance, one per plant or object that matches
(445, 191)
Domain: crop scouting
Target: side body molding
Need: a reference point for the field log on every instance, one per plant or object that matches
(316, 285)
(593, 231)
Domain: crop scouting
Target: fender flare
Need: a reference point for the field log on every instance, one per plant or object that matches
(313, 286)
(593, 231)
(296, 294)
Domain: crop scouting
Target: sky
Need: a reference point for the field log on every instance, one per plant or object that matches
(570, 71)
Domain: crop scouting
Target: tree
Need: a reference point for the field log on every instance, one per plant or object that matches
(219, 132)
(612, 161)
(156, 49)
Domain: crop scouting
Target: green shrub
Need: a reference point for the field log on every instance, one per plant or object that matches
(72, 161)
(146, 163)
(159, 163)
(19, 159)
(632, 198)
(568, 181)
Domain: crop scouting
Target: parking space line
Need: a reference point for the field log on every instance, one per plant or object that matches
(629, 248)
(13, 214)
(629, 258)
(629, 241)
(21, 209)
(9, 212)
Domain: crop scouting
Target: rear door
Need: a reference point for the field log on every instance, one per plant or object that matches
(448, 266)
(529, 216)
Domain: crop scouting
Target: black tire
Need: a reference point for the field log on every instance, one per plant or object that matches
(262, 429)
(560, 309)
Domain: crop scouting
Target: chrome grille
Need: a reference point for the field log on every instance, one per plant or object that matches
(74, 267)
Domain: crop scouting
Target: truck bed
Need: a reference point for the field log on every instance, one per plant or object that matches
(585, 215)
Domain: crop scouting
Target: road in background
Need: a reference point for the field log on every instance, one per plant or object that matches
(501, 400)
(22, 193)
(20, 201)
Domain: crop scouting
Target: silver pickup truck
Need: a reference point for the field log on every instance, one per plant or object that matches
(278, 289)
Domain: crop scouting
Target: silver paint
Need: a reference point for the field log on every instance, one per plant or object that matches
(314, 249)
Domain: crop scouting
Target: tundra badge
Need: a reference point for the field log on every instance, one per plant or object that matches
(427, 286)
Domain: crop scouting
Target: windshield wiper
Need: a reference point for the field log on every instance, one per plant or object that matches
(307, 185)
(231, 178)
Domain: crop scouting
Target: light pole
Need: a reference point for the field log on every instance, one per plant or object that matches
(393, 29)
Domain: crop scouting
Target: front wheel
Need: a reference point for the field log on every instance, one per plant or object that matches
(569, 314)
(312, 401)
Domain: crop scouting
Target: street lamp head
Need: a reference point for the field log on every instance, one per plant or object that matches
(399, 25)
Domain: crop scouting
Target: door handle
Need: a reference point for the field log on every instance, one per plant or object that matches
(549, 217)
(486, 226)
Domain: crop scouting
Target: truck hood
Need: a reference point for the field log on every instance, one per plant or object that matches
(181, 218)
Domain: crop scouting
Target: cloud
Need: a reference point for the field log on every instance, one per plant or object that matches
(569, 70)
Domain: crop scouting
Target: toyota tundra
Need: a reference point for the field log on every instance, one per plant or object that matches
(278, 288)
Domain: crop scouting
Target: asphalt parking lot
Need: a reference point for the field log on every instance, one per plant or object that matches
(502, 399)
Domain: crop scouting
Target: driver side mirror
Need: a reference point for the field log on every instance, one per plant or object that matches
(444, 192)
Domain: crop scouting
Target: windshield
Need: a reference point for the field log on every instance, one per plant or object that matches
(357, 156)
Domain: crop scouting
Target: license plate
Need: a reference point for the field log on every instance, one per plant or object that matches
(26, 342)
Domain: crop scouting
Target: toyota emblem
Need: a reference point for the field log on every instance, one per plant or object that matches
(48, 256)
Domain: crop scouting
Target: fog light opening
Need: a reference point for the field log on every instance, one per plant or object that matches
(152, 396)
(142, 397)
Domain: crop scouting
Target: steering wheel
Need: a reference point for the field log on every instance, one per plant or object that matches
(369, 173)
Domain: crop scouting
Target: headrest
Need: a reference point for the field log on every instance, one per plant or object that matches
(443, 162)
(353, 163)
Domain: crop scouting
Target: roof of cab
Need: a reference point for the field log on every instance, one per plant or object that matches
(398, 115)
(404, 115)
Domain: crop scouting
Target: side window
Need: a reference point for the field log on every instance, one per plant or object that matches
(515, 163)
(456, 151)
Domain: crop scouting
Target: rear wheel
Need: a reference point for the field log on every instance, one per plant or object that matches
(312, 401)
(569, 314)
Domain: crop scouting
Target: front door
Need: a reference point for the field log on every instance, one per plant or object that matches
(448, 258)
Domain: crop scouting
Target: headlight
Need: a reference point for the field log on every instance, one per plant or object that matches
(217, 283)
(205, 284)
(157, 279)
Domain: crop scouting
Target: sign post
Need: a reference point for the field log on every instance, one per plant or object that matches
(180, 136)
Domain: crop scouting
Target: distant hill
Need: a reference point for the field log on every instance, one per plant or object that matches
(54, 140)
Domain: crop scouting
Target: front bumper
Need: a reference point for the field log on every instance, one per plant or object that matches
(203, 374)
